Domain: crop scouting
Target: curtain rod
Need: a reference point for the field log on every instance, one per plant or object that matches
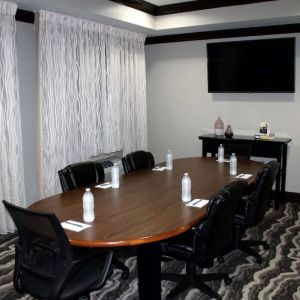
(25, 16)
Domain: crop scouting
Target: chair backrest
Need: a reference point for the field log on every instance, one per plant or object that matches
(213, 234)
(137, 160)
(80, 174)
(240, 150)
(259, 199)
(43, 252)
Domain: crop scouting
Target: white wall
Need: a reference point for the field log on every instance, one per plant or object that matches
(180, 108)
(26, 55)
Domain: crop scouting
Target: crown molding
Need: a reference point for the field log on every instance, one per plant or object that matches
(175, 8)
(227, 33)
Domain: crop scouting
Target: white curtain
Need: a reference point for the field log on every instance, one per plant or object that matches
(92, 93)
(11, 156)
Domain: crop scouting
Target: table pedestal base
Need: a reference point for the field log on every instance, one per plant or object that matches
(149, 271)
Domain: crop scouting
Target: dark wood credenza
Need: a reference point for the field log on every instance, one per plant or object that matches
(275, 148)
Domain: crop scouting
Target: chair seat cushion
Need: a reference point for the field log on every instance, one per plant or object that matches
(88, 276)
(81, 281)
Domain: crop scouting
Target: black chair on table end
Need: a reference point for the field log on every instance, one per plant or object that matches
(81, 174)
(205, 242)
(137, 160)
(46, 266)
(253, 208)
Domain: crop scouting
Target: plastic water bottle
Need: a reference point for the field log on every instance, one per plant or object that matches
(115, 178)
(221, 154)
(88, 206)
(233, 165)
(186, 188)
(169, 160)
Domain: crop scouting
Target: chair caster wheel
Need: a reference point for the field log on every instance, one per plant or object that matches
(266, 246)
(220, 259)
(125, 275)
(259, 260)
(228, 280)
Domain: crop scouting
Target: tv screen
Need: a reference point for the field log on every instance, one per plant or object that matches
(252, 66)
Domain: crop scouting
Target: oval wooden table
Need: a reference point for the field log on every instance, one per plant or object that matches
(145, 210)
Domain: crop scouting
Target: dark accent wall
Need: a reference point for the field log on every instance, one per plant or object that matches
(228, 33)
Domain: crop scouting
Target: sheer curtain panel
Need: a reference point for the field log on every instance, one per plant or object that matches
(92, 93)
(11, 155)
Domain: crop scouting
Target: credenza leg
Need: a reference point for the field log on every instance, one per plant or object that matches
(149, 271)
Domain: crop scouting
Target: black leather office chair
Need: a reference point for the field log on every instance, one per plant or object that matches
(81, 174)
(253, 208)
(205, 242)
(240, 150)
(137, 160)
(46, 266)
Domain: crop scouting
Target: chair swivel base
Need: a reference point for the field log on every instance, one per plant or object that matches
(245, 246)
(193, 280)
(120, 265)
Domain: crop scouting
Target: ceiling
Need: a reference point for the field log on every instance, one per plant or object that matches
(262, 13)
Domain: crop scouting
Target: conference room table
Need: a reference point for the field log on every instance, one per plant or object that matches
(145, 210)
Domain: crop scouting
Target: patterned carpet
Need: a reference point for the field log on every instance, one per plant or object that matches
(278, 277)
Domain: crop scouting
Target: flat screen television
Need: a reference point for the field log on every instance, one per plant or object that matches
(252, 66)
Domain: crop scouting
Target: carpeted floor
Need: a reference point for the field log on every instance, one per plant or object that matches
(278, 277)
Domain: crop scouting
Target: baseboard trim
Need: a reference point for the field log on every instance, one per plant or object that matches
(292, 197)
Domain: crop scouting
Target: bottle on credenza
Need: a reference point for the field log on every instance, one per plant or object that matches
(186, 188)
(228, 132)
(169, 160)
(233, 165)
(115, 176)
(221, 154)
(88, 206)
(219, 127)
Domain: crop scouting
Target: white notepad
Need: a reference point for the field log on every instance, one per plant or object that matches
(104, 185)
(158, 168)
(197, 203)
(74, 225)
(225, 160)
(244, 176)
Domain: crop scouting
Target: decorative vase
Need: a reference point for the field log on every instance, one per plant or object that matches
(219, 127)
(228, 132)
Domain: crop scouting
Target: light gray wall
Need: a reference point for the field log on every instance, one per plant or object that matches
(26, 55)
(180, 109)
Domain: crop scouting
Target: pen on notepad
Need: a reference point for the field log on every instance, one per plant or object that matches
(195, 201)
(71, 223)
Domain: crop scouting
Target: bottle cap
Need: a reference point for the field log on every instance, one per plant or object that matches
(115, 164)
(87, 189)
(186, 174)
(221, 145)
(233, 153)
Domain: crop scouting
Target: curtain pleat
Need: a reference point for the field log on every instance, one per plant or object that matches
(92, 93)
(12, 186)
